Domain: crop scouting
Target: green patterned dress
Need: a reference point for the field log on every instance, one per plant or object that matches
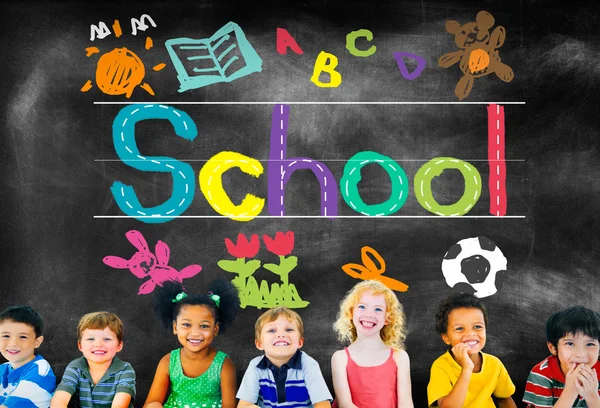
(200, 392)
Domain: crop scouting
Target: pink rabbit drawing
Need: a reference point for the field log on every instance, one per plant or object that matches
(145, 264)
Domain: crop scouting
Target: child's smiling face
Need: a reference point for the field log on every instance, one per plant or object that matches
(99, 346)
(577, 349)
(466, 325)
(280, 339)
(369, 314)
(195, 327)
(18, 342)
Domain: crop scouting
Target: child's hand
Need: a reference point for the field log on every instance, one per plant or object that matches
(587, 383)
(571, 379)
(461, 354)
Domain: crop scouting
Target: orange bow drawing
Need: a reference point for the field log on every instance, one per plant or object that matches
(370, 271)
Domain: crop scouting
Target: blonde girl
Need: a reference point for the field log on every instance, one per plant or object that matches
(374, 371)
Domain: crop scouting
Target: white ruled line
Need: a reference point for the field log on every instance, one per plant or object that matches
(310, 103)
(312, 216)
(319, 160)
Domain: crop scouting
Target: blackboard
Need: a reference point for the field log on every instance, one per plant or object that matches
(60, 217)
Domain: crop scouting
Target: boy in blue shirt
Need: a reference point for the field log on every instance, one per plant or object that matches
(26, 380)
(284, 376)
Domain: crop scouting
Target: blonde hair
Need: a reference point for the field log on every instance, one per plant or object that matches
(272, 314)
(393, 334)
(100, 321)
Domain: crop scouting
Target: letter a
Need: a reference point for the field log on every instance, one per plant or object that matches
(285, 40)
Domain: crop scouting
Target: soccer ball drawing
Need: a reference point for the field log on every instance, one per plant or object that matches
(476, 266)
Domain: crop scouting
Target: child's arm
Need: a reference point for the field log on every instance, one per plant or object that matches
(339, 361)
(249, 389)
(228, 383)
(121, 400)
(247, 404)
(456, 397)
(404, 387)
(60, 399)
(160, 384)
(506, 403)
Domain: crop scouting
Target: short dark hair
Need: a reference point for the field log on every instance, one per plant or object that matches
(457, 301)
(25, 315)
(573, 320)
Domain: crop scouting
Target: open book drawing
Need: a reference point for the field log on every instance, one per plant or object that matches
(225, 56)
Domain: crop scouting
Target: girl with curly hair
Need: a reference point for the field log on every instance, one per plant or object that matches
(374, 371)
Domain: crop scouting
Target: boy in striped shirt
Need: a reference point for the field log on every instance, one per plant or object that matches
(569, 377)
(26, 380)
(99, 378)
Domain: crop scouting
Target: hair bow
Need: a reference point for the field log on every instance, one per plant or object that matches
(180, 296)
(216, 298)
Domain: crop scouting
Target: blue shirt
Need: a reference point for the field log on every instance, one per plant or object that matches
(298, 383)
(29, 386)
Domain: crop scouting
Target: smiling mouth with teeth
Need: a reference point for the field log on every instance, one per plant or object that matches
(13, 351)
(368, 324)
(281, 344)
(471, 342)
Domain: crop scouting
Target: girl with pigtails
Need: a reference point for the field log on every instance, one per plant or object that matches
(197, 374)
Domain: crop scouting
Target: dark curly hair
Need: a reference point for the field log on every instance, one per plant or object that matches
(573, 320)
(456, 301)
(224, 314)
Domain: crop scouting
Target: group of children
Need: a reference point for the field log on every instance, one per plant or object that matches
(373, 371)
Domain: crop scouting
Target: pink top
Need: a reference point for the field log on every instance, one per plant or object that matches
(373, 386)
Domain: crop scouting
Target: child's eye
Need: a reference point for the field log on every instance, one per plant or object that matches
(107, 339)
(458, 328)
(569, 343)
(5, 336)
(478, 326)
(186, 325)
(271, 331)
(290, 330)
(592, 345)
(24, 337)
(361, 306)
(205, 326)
(378, 309)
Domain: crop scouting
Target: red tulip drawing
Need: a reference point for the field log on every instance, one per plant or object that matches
(243, 248)
(282, 245)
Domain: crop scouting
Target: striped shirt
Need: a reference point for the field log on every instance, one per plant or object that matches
(29, 386)
(298, 384)
(545, 385)
(77, 379)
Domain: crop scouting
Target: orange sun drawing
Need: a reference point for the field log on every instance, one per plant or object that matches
(120, 71)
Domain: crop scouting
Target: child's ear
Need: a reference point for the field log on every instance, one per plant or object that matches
(38, 341)
(79, 346)
(301, 342)
(258, 345)
(120, 347)
(216, 329)
(552, 349)
(445, 339)
(174, 327)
